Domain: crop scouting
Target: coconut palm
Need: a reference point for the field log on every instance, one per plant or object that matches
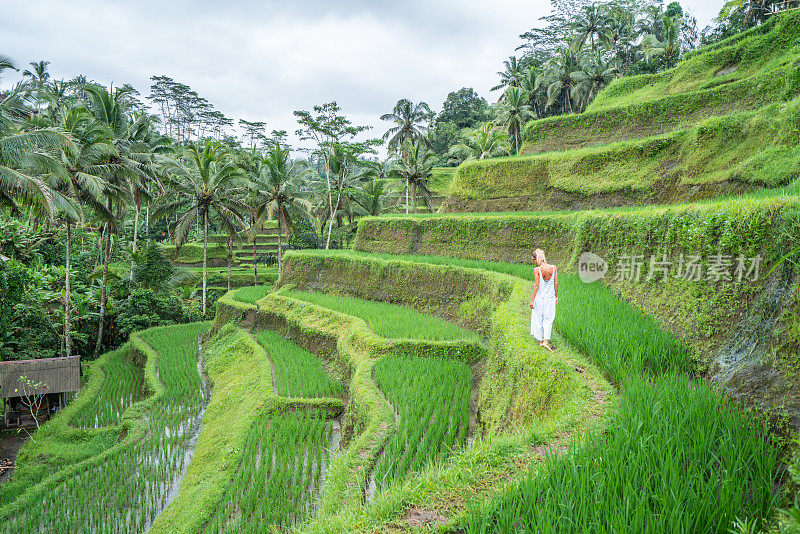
(514, 113)
(409, 119)
(374, 196)
(619, 35)
(37, 74)
(202, 180)
(512, 75)
(86, 165)
(24, 156)
(588, 24)
(134, 167)
(415, 165)
(275, 192)
(483, 142)
(558, 76)
(668, 47)
(594, 75)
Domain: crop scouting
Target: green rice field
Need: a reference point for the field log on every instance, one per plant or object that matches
(283, 468)
(389, 320)
(298, 373)
(123, 385)
(430, 397)
(125, 490)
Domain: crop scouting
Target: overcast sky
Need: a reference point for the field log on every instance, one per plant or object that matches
(262, 60)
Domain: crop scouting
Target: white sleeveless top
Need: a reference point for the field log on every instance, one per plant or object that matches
(547, 288)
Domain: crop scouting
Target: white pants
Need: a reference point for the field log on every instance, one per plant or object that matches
(542, 315)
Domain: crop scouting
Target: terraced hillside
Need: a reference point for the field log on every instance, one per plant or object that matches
(191, 254)
(724, 121)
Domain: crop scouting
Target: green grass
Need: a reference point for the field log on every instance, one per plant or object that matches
(282, 471)
(676, 458)
(630, 343)
(298, 373)
(389, 320)
(755, 149)
(441, 177)
(754, 52)
(250, 294)
(431, 399)
(126, 489)
(123, 385)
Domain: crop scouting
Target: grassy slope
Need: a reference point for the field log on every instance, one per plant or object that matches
(684, 133)
(625, 343)
(550, 395)
(702, 312)
(639, 106)
(62, 453)
(753, 149)
(388, 320)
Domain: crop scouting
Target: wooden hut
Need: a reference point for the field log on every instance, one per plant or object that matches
(58, 378)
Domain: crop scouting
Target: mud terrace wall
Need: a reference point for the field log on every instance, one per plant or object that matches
(745, 331)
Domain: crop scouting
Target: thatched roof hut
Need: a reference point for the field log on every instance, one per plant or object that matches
(60, 375)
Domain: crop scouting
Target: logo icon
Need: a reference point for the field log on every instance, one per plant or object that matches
(591, 267)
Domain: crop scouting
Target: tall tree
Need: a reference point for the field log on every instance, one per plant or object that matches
(558, 76)
(588, 25)
(202, 180)
(83, 177)
(514, 113)
(409, 123)
(595, 73)
(329, 129)
(276, 192)
(481, 143)
(415, 165)
(512, 75)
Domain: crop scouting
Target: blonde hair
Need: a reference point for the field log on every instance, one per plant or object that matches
(539, 254)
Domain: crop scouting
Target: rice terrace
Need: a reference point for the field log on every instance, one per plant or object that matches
(571, 304)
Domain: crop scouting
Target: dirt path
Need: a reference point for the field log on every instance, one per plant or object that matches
(10, 444)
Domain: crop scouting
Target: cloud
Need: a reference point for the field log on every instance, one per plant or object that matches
(262, 60)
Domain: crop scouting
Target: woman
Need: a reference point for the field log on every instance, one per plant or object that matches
(543, 301)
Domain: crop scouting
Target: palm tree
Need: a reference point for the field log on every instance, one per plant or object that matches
(619, 34)
(669, 46)
(82, 176)
(133, 168)
(482, 142)
(275, 192)
(415, 165)
(588, 24)
(512, 75)
(24, 157)
(559, 77)
(38, 75)
(374, 195)
(6, 63)
(514, 113)
(202, 181)
(408, 119)
(594, 75)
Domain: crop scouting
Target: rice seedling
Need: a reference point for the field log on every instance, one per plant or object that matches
(250, 294)
(122, 386)
(282, 470)
(430, 397)
(676, 458)
(298, 373)
(618, 337)
(126, 490)
(389, 320)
